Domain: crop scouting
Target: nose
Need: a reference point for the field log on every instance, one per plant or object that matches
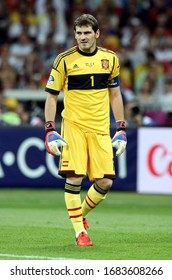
(83, 36)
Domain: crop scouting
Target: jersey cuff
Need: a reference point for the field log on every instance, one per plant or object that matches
(114, 82)
(52, 91)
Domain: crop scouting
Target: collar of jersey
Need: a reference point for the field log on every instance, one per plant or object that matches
(87, 54)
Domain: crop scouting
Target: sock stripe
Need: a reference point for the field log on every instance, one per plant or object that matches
(89, 204)
(68, 184)
(91, 200)
(71, 191)
(75, 216)
(99, 190)
(74, 189)
(74, 209)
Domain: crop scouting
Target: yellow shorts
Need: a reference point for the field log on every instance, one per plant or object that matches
(87, 153)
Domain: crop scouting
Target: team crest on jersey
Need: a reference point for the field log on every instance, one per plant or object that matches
(50, 80)
(105, 63)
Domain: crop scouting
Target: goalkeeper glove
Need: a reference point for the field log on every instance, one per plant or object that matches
(53, 140)
(119, 141)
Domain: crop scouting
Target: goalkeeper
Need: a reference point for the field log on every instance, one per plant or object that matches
(89, 77)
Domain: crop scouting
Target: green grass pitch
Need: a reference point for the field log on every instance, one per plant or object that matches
(34, 224)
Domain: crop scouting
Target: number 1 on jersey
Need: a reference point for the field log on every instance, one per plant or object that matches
(92, 81)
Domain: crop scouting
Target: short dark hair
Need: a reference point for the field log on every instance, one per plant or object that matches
(86, 19)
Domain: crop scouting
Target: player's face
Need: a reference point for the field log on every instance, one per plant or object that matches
(86, 38)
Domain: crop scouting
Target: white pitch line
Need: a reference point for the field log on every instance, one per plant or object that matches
(33, 257)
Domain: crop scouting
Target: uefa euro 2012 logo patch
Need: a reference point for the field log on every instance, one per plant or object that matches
(50, 80)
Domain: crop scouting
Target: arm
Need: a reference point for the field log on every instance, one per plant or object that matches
(119, 141)
(116, 103)
(50, 107)
(53, 140)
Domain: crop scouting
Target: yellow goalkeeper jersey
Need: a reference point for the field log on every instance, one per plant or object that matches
(85, 79)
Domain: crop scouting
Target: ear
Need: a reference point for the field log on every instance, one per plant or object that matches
(97, 33)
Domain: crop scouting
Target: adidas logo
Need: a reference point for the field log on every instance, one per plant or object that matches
(75, 66)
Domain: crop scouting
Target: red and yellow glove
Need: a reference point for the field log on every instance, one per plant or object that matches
(53, 140)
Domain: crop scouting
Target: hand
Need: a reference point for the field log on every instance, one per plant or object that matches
(119, 141)
(53, 140)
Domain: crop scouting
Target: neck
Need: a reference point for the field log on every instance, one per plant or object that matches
(90, 53)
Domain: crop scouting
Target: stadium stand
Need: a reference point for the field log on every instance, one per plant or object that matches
(34, 32)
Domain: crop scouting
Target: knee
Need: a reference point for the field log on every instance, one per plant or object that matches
(104, 184)
(74, 180)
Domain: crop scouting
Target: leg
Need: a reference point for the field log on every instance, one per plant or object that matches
(73, 202)
(72, 162)
(104, 184)
(96, 193)
(100, 169)
(74, 208)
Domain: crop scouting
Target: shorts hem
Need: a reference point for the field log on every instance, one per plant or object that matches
(64, 173)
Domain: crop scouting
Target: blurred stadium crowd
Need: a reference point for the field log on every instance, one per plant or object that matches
(32, 33)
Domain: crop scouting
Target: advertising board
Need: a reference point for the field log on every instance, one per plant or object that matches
(154, 169)
(24, 162)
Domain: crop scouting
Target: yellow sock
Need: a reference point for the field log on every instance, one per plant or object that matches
(94, 196)
(74, 208)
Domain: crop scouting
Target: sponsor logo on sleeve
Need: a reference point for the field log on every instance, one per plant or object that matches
(50, 80)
